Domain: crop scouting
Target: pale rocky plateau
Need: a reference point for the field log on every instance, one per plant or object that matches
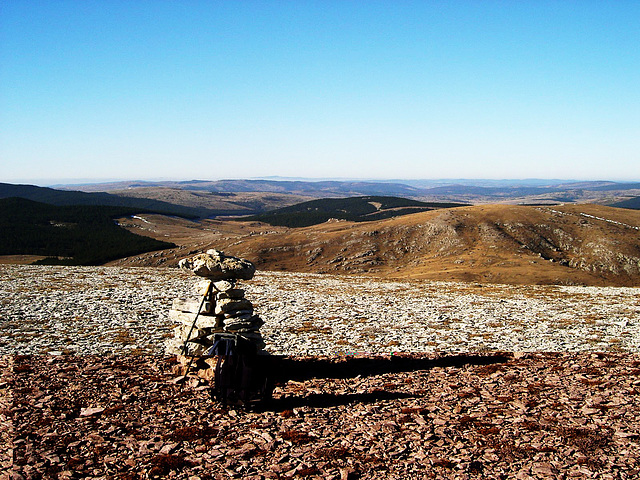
(113, 310)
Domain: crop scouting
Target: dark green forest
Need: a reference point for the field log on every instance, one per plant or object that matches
(355, 209)
(70, 197)
(69, 235)
(632, 203)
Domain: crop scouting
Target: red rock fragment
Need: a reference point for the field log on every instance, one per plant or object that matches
(91, 411)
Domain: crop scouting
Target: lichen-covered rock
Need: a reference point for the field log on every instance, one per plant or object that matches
(215, 265)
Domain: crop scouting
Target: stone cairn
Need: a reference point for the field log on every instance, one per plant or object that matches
(224, 308)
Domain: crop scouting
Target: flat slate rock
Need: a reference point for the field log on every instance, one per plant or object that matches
(493, 416)
(215, 265)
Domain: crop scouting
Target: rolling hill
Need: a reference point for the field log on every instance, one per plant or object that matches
(570, 245)
(528, 191)
(355, 209)
(53, 196)
(198, 203)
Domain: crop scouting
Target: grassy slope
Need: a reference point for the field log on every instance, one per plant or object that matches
(571, 244)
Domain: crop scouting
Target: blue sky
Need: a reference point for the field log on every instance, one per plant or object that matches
(347, 89)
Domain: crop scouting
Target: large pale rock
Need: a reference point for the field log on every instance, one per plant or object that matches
(230, 304)
(231, 293)
(215, 265)
(192, 306)
(223, 285)
(187, 318)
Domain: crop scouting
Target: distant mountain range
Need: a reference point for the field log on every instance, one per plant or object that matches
(329, 188)
(205, 199)
(53, 196)
(465, 191)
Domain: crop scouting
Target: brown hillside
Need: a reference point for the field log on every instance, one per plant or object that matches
(241, 202)
(571, 244)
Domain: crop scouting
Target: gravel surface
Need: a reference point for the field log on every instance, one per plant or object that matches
(524, 416)
(348, 404)
(114, 310)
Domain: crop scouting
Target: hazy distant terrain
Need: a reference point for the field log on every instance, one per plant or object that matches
(543, 242)
(464, 191)
(309, 188)
(213, 203)
(203, 199)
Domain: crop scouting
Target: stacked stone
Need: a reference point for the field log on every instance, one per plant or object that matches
(224, 307)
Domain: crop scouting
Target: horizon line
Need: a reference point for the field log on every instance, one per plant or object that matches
(67, 182)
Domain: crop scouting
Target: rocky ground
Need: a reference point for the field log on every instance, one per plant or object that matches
(494, 416)
(374, 379)
(109, 310)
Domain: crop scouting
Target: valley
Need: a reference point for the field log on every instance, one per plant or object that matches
(306, 227)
